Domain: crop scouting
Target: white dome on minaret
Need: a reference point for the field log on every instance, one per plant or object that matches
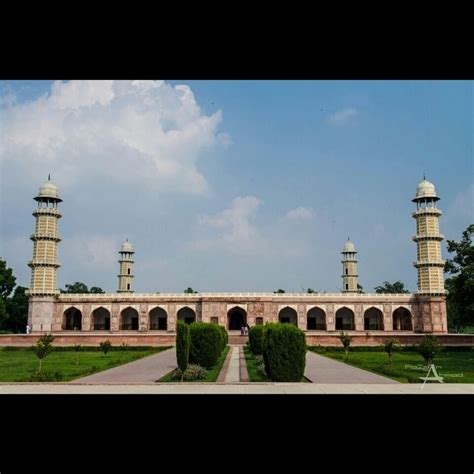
(348, 247)
(48, 190)
(126, 247)
(427, 190)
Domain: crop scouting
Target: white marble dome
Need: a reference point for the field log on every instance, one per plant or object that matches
(349, 247)
(48, 190)
(425, 190)
(126, 247)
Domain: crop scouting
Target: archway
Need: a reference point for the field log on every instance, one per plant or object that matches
(158, 319)
(288, 315)
(187, 315)
(236, 318)
(402, 320)
(373, 320)
(129, 319)
(345, 319)
(316, 319)
(101, 319)
(72, 319)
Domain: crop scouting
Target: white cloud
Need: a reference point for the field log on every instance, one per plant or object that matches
(342, 116)
(232, 229)
(147, 131)
(300, 213)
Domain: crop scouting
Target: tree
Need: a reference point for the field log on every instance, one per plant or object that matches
(346, 341)
(3, 315)
(360, 288)
(7, 280)
(396, 287)
(43, 347)
(390, 345)
(428, 347)
(460, 286)
(105, 346)
(17, 309)
(79, 287)
(279, 291)
(310, 290)
(189, 290)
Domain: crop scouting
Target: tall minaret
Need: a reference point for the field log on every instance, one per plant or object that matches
(44, 264)
(349, 268)
(126, 266)
(428, 241)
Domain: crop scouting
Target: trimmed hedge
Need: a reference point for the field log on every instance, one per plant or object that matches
(122, 347)
(183, 341)
(284, 352)
(224, 337)
(206, 344)
(256, 339)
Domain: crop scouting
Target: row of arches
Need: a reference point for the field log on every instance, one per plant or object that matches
(237, 317)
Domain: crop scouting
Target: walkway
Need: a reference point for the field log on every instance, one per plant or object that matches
(240, 388)
(146, 370)
(323, 370)
(234, 369)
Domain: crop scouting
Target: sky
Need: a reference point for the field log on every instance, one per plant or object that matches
(235, 186)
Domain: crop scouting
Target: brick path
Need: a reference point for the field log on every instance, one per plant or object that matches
(323, 370)
(146, 370)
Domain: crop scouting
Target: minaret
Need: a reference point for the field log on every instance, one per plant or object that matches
(429, 263)
(349, 268)
(126, 266)
(44, 264)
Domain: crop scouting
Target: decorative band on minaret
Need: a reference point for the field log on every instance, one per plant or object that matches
(126, 266)
(44, 264)
(349, 268)
(429, 263)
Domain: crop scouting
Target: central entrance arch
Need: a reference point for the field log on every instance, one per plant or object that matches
(288, 315)
(101, 319)
(187, 315)
(236, 318)
(129, 319)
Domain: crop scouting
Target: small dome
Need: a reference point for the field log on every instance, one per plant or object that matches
(126, 247)
(425, 190)
(48, 190)
(349, 247)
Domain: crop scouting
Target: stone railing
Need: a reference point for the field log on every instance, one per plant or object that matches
(244, 295)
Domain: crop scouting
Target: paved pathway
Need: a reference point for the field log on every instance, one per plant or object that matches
(240, 388)
(233, 370)
(323, 370)
(146, 370)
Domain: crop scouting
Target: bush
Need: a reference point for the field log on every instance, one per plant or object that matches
(182, 345)
(260, 364)
(192, 372)
(105, 346)
(284, 352)
(206, 343)
(224, 337)
(346, 341)
(256, 339)
(428, 347)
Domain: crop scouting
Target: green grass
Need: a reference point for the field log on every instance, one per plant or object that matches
(212, 373)
(407, 364)
(254, 374)
(21, 364)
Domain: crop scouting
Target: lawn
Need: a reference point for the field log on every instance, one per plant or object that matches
(19, 365)
(455, 366)
(212, 373)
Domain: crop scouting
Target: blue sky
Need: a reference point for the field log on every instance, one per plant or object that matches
(234, 185)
